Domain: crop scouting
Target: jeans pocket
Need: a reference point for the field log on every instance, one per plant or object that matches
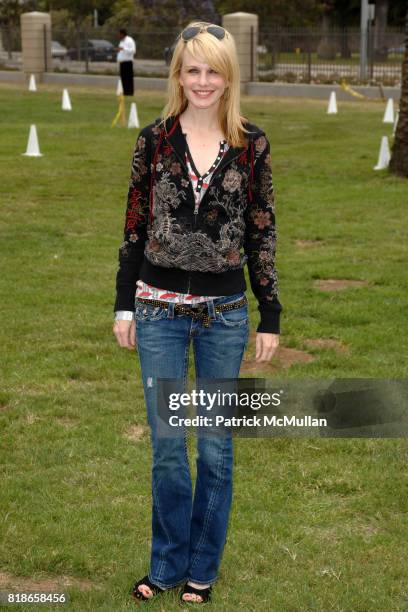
(148, 312)
(234, 318)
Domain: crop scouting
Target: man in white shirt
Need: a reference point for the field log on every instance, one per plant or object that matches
(126, 50)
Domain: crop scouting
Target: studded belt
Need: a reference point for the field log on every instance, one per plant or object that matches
(199, 312)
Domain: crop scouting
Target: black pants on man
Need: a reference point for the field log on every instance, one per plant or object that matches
(126, 75)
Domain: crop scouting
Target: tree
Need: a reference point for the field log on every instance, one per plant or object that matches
(79, 19)
(284, 13)
(10, 11)
(78, 11)
(399, 157)
(125, 13)
(346, 15)
(327, 47)
(381, 18)
(177, 13)
(396, 12)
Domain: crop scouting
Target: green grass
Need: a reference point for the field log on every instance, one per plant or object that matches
(316, 524)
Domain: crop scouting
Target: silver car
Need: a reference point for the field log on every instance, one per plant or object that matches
(58, 51)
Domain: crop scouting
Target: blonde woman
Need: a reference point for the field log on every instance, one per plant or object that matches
(200, 206)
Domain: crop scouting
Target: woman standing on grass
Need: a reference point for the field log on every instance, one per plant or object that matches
(200, 190)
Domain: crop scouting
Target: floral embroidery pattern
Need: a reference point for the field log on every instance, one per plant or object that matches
(137, 203)
(134, 213)
(260, 145)
(262, 252)
(243, 158)
(175, 168)
(232, 180)
(265, 183)
(261, 219)
(233, 256)
(139, 168)
(166, 194)
(211, 217)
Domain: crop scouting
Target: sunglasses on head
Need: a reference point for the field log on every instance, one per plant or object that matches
(192, 31)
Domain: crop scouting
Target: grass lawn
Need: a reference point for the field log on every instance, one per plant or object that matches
(316, 524)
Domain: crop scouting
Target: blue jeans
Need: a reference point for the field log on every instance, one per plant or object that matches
(189, 534)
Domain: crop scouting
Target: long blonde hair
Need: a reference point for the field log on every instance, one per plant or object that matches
(221, 55)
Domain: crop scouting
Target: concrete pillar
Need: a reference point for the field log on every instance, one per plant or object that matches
(36, 43)
(244, 28)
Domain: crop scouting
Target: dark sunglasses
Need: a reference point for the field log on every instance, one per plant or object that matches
(192, 31)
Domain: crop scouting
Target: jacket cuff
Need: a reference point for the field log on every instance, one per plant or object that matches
(125, 301)
(270, 322)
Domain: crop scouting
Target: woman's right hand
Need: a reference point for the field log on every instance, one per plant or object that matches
(125, 332)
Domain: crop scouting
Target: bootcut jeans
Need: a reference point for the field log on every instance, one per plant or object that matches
(189, 533)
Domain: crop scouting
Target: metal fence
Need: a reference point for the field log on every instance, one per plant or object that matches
(291, 55)
(94, 51)
(300, 55)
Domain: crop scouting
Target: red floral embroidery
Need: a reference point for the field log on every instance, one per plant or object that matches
(134, 214)
(243, 159)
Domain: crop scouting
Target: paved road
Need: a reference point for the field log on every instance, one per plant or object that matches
(142, 66)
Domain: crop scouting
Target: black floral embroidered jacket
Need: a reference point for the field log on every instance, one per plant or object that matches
(169, 245)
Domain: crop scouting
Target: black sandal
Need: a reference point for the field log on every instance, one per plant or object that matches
(204, 593)
(153, 587)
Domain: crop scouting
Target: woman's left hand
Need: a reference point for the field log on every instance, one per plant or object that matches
(266, 345)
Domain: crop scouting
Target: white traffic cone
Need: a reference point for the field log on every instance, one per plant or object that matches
(119, 88)
(66, 102)
(133, 118)
(395, 123)
(332, 108)
(32, 85)
(384, 156)
(33, 149)
(389, 112)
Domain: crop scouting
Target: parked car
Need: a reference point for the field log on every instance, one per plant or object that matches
(99, 50)
(58, 51)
